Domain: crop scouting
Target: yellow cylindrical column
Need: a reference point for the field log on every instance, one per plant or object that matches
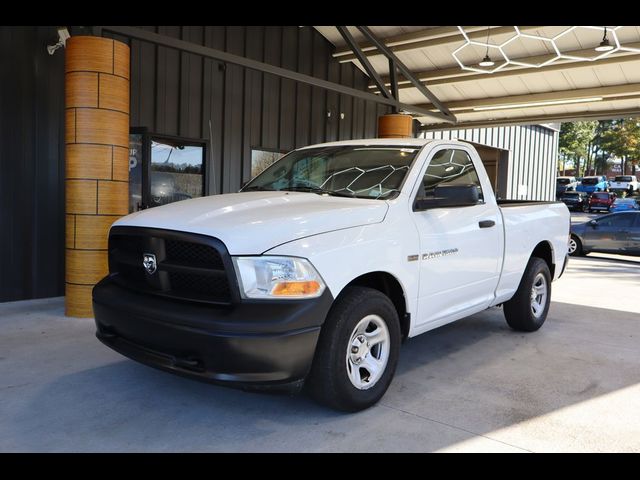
(395, 125)
(96, 160)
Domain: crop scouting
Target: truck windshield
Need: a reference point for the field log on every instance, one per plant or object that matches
(590, 181)
(350, 170)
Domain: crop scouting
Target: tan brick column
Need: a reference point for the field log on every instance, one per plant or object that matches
(395, 125)
(97, 160)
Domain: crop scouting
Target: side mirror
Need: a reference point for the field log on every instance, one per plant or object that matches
(449, 196)
(593, 223)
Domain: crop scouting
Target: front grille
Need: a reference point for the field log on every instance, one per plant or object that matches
(193, 254)
(189, 266)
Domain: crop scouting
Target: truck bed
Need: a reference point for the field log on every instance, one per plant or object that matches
(516, 203)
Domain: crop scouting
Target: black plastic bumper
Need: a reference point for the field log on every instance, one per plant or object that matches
(252, 344)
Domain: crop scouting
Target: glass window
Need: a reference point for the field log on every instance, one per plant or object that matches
(176, 171)
(450, 167)
(620, 220)
(261, 160)
(351, 170)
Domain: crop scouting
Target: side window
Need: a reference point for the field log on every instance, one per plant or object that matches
(617, 221)
(450, 167)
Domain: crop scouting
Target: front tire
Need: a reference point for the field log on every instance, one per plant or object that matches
(527, 310)
(357, 351)
(575, 246)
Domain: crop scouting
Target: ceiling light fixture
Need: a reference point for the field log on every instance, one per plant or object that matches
(486, 61)
(604, 46)
(537, 104)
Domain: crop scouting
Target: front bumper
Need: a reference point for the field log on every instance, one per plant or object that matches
(252, 344)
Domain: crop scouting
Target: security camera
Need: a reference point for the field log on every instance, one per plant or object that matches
(63, 36)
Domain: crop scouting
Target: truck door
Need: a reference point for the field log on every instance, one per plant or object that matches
(462, 247)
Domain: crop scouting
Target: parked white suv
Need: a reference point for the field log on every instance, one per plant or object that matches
(322, 264)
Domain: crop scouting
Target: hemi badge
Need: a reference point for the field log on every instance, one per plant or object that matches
(413, 258)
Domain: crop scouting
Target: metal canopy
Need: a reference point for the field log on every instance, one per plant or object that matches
(581, 83)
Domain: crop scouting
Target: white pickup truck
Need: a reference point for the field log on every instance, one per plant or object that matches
(628, 183)
(317, 270)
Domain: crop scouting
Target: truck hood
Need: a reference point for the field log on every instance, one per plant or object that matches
(254, 222)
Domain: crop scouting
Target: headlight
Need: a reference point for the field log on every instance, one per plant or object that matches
(277, 277)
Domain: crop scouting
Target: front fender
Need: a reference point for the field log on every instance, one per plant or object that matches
(343, 255)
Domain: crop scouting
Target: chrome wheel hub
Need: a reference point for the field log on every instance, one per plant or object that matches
(539, 293)
(367, 352)
(572, 245)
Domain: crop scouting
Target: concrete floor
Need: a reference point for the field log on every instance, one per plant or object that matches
(471, 386)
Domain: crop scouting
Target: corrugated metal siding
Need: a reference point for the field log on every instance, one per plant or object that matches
(171, 93)
(31, 164)
(533, 151)
(177, 93)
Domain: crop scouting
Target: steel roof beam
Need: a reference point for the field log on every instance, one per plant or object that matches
(344, 31)
(406, 72)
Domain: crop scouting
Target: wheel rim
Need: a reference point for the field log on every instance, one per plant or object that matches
(538, 295)
(368, 352)
(573, 245)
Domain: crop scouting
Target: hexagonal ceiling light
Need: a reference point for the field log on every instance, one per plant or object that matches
(604, 48)
(469, 44)
(618, 35)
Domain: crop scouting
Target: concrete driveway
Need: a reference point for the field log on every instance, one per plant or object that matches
(474, 385)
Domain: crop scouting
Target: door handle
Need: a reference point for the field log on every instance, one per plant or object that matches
(486, 223)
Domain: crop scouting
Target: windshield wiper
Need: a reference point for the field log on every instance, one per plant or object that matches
(319, 191)
(255, 188)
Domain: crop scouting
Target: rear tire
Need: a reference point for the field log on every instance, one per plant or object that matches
(357, 351)
(527, 310)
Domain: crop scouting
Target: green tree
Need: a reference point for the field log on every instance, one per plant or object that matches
(575, 143)
(622, 139)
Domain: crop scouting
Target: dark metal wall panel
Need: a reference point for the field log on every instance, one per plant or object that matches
(271, 89)
(233, 114)
(333, 103)
(346, 103)
(303, 91)
(31, 165)
(288, 89)
(253, 106)
(168, 86)
(320, 56)
(214, 108)
(191, 86)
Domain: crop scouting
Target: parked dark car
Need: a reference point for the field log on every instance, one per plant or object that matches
(613, 233)
(575, 200)
(601, 201)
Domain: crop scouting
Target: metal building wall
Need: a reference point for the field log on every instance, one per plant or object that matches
(177, 93)
(31, 164)
(533, 153)
(172, 93)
